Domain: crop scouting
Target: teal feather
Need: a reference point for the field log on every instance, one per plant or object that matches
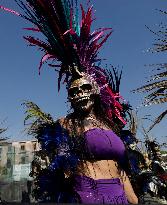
(67, 42)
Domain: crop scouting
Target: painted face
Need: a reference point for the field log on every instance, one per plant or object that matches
(81, 94)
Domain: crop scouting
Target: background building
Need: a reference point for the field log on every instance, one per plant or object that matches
(15, 166)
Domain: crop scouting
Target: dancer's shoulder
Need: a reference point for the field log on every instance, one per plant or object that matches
(64, 122)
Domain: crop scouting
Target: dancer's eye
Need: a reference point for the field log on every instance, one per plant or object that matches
(73, 92)
(86, 87)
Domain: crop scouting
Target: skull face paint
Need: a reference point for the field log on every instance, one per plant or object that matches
(81, 94)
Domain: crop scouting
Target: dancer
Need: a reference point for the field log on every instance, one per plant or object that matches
(99, 176)
(86, 156)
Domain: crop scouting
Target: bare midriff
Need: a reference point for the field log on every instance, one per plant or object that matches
(102, 169)
(99, 169)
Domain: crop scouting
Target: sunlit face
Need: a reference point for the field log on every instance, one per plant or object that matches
(81, 94)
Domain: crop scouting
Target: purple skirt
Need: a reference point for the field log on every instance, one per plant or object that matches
(101, 191)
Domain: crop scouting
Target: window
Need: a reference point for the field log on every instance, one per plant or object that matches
(9, 164)
(35, 146)
(23, 160)
(22, 147)
(4, 171)
(0, 152)
(9, 148)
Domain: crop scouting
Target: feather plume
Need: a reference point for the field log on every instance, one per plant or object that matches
(158, 76)
(158, 120)
(158, 92)
(67, 41)
(70, 44)
(155, 101)
(151, 86)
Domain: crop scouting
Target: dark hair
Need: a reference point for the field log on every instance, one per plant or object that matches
(100, 113)
(77, 122)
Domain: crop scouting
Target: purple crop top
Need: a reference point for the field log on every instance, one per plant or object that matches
(104, 144)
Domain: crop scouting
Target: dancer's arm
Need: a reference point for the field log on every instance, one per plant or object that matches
(131, 196)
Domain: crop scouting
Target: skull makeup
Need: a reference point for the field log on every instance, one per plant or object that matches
(81, 93)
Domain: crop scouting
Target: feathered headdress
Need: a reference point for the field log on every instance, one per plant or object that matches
(70, 44)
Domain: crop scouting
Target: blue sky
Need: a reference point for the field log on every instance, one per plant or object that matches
(19, 79)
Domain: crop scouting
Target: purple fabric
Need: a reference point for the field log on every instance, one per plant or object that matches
(101, 191)
(104, 144)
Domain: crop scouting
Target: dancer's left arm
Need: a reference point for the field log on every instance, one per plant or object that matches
(131, 196)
